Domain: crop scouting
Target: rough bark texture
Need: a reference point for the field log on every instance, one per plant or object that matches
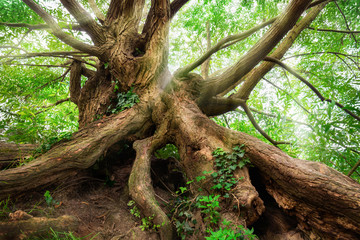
(11, 153)
(80, 152)
(305, 197)
(36, 226)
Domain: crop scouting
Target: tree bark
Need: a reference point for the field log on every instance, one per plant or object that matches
(11, 152)
(36, 226)
(322, 202)
(81, 152)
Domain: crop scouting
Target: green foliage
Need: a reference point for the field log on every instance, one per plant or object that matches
(288, 111)
(209, 206)
(50, 201)
(48, 143)
(146, 222)
(124, 101)
(228, 233)
(168, 151)
(134, 210)
(5, 208)
(185, 208)
(226, 163)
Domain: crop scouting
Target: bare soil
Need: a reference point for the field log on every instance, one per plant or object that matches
(100, 205)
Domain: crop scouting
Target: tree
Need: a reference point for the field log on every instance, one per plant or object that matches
(120, 82)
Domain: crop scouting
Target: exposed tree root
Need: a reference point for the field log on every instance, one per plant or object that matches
(141, 189)
(81, 152)
(322, 199)
(325, 202)
(36, 226)
(197, 137)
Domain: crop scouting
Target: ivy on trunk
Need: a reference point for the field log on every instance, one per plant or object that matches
(132, 65)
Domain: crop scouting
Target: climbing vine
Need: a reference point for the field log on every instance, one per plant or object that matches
(189, 212)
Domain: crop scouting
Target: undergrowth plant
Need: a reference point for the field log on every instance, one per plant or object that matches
(146, 222)
(186, 210)
(124, 101)
(50, 201)
(169, 150)
(230, 232)
(49, 142)
(5, 208)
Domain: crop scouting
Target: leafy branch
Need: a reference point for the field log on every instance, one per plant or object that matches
(307, 83)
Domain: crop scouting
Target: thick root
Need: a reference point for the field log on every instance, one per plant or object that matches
(36, 226)
(141, 189)
(81, 152)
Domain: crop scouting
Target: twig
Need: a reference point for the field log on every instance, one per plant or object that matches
(274, 116)
(51, 105)
(354, 168)
(293, 98)
(258, 128)
(317, 93)
(232, 38)
(39, 65)
(333, 30)
(346, 22)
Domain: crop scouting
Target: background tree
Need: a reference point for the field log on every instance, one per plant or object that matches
(106, 71)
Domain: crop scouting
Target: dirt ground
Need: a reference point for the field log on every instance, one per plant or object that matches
(99, 205)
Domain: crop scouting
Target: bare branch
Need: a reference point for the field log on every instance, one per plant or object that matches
(75, 81)
(348, 56)
(14, 47)
(175, 6)
(346, 64)
(314, 53)
(62, 77)
(52, 105)
(333, 30)
(288, 94)
(258, 128)
(159, 12)
(86, 21)
(39, 26)
(354, 168)
(39, 65)
(346, 22)
(317, 2)
(48, 54)
(97, 11)
(205, 65)
(229, 39)
(275, 116)
(217, 105)
(66, 38)
(318, 94)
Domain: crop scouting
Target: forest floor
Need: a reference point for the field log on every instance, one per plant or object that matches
(100, 206)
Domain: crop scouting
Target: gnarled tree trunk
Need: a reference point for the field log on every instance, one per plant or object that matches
(320, 201)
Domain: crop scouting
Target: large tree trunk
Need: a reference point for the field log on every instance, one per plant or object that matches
(320, 201)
